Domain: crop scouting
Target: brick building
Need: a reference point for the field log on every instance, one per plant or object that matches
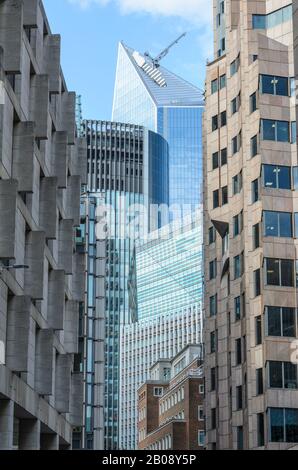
(170, 404)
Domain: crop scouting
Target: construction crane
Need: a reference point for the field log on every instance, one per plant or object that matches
(156, 61)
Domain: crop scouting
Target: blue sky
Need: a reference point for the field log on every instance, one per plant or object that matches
(91, 30)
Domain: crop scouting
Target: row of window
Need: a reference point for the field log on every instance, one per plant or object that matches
(171, 401)
(282, 426)
(273, 177)
(273, 19)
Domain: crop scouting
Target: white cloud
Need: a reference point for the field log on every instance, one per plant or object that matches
(195, 11)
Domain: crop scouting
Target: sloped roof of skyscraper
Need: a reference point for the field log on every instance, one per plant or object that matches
(165, 87)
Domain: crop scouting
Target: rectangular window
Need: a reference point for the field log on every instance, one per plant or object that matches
(213, 342)
(224, 195)
(278, 131)
(281, 321)
(279, 272)
(259, 335)
(240, 438)
(237, 183)
(278, 224)
(223, 119)
(257, 282)
(212, 235)
(277, 177)
(213, 418)
(234, 106)
(256, 236)
(283, 425)
(201, 438)
(214, 123)
(214, 86)
(282, 375)
(238, 224)
(293, 132)
(255, 191)
(236, 143)
(200, 413)
(274, 85)
(213, 379)
(222, 81)
(239, 397)
(213, 305)
(212, 269)
(238, 348)
(215, 199)
(253, 102)
(234, 67)
(238, 265)
(215, 161)
(224, 156)
(260, 384)
(254, 146)
(237, 306)
(259, 21)
(261, 430)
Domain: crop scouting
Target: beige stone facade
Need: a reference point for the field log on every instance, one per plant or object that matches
(250, 192)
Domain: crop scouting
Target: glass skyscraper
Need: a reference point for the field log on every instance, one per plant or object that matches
(168, 105)
(166, 292)
(166, 273)
(127, 166)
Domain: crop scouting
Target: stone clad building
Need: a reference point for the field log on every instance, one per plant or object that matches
(250, 175)
(42, 167)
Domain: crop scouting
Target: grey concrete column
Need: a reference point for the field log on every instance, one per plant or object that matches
(71, 327)
(44, 362)
(23, 155)
(6, 424)
(34, 276)
(18, 334)
(49, 442)
(8, 207)
(56, 299)
(39, 104)
(48, 221)
(29, 438)
(65, 245)
(11, 34)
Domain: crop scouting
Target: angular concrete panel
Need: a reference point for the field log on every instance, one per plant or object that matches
(8, 195)
(18, 334)
(44, 362)
(48, 218)
(34, 258)
(23, 155)
(56, 299)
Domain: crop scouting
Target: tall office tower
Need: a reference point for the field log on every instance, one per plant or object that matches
(42, 165)
(92, 326)
(128, 166)
(250, 192)
(156, 98)
(166, 290)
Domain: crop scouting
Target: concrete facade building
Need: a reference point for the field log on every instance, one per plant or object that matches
(170, 404)
(42, 166)
(250, 193)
